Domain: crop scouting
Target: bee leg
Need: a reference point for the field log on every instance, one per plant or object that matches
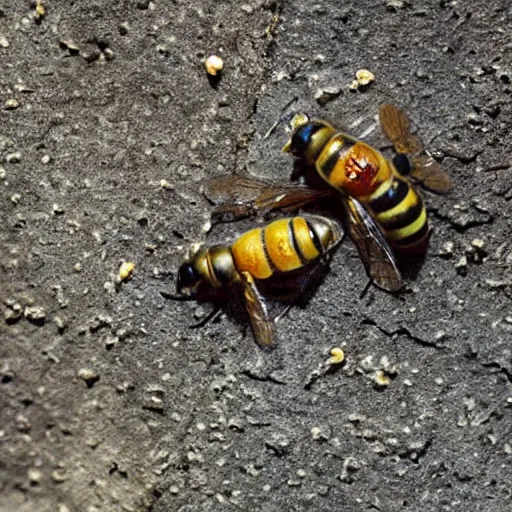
(365, 289)
(215, 312)
(283, 119)
(326, 258)
(282, 314)
(172, 296)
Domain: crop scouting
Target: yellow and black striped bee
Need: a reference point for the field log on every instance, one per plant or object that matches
(363, 173)
(380, 205)
(257, 264)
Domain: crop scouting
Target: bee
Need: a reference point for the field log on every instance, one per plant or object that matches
(260, 263)
(380, 206)
(363, 173)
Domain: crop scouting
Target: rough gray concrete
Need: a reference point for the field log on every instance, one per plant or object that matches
(108, 401)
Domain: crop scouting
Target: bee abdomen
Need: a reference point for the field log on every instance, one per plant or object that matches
(401, 214)
(284, 245)
(250, 255)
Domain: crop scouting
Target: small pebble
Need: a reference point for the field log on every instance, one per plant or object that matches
(89, 376)
(69, 45)
(123, 28)
(447, 250)
(11, 104)
(13, 313)
(35, 476)
(126, 271)
(155, 404)
(13, 158)
(214, 65)
(395, 5)
(34, 314)
(4, 43)
(59, 476)
(15, 198)
(46, 159)
(165, 184)
(108, 53)
(462, 266)
(57, 210)
(60, 323)
(327, 94)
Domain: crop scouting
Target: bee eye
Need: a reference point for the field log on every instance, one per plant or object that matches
(187, 277)
(302, 137)
(402, 164)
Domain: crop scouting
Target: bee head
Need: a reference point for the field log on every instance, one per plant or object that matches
(296, 124)
(189, 274)
(188, 280)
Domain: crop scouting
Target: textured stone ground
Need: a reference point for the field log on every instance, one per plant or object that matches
(108, 401)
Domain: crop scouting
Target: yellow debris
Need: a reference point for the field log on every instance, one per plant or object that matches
(40, 10)
(363, 77)
(213, 65)
(381, 379)
(126, 270)
(337, 356)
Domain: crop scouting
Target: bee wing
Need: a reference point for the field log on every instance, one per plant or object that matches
(238, 196)
(396, 127)
(263, 327)
(429, 173)
(232, 188)
(375, 253)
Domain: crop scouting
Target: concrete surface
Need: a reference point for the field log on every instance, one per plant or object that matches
(108, 401)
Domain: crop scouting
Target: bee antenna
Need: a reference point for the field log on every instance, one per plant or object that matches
(286, 118)
(210, 317)
(172, 296)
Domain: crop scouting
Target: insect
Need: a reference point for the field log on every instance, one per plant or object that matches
(262, 262)
(380, 206)
(363, 173)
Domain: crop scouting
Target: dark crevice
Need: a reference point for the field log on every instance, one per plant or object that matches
(402, 331)
(263, 378)
(502, 369)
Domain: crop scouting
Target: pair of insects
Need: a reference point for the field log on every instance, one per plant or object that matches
(379, 206)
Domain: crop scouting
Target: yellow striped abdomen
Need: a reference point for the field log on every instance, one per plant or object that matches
(284, 245)
(250, 255)
(400, 212)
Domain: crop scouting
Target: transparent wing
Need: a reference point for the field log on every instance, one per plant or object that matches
(375, 253)
(429, 173)
(396, 127)
(263, 327)
(238, 196)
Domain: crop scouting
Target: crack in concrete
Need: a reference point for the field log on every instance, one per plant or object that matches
(405, 332)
